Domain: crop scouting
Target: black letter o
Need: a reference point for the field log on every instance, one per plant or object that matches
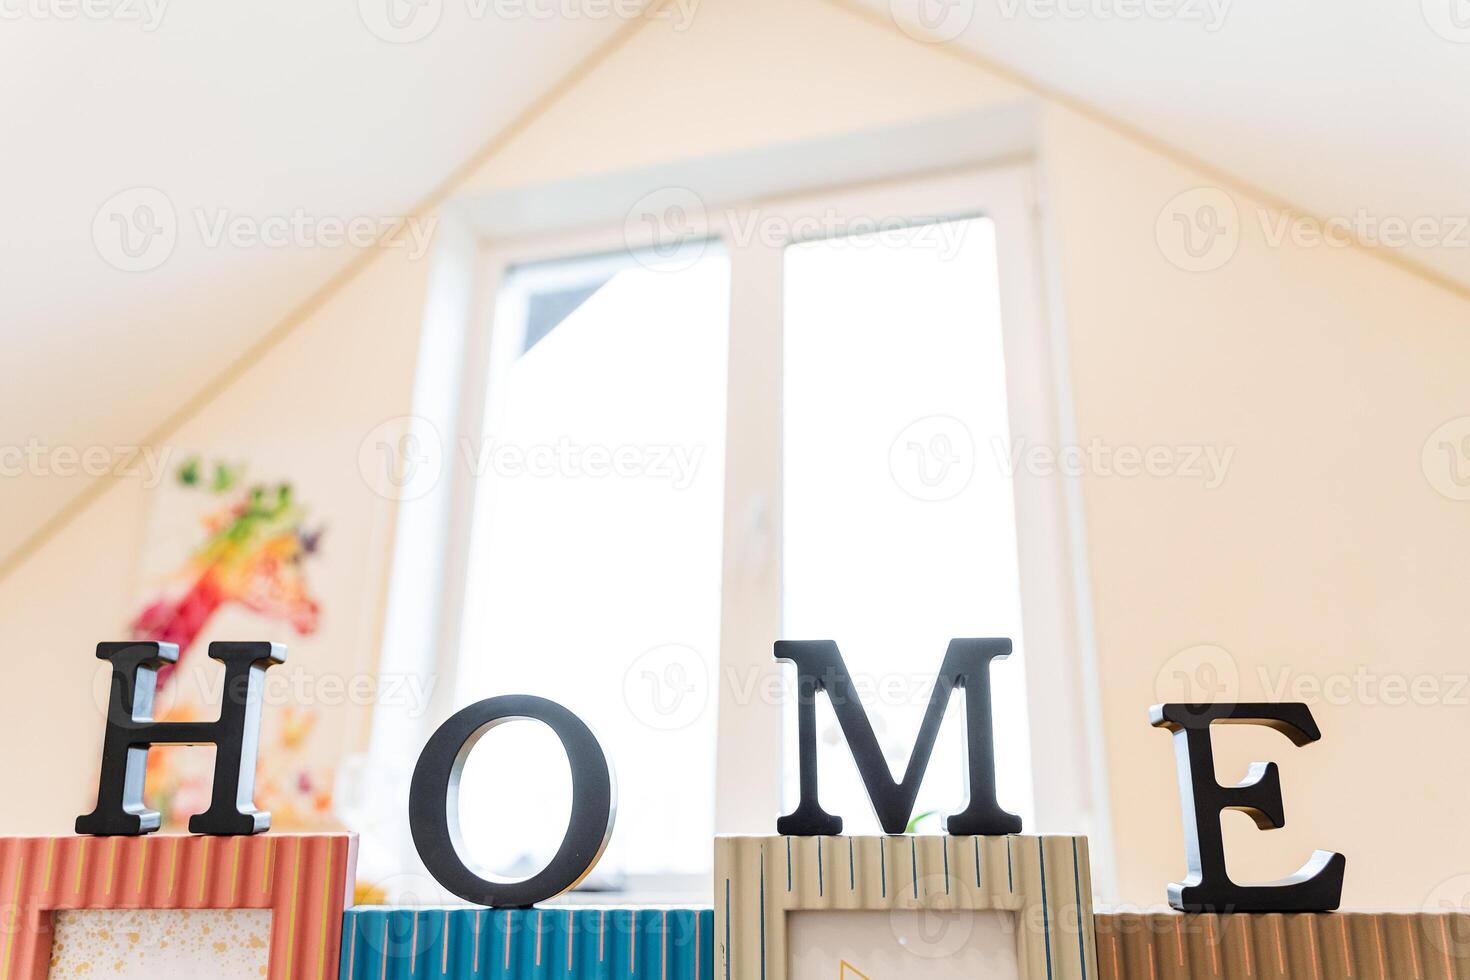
(433, 802)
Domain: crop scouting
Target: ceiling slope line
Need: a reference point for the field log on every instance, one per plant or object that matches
(1222, 178)
(324, 294)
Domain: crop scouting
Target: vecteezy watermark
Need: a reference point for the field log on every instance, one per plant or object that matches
(1363, 227)
(1446, 458)
(932, 21)
(36, 458)
(138, 229)
(667, 688)
(147, 14)
(1209, 674)
(407, 21)
(842, 230)
(676, 464)
(667, 228)
(403, 459)
(299, 229)
(1198, 230)
(1445, 901)
(186, 689)
(409, 888)
(931, 931)
(1367, 686)
(1450, 19)
(881, 689)
(400, 21)
(1207, 464)
(933, 458)
(1199, 674)
(1209, 14)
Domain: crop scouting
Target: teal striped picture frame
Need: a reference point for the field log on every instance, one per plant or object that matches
(562, 943)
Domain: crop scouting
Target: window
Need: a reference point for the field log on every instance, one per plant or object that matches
(900, 528)
(594, 572)
(797, 427)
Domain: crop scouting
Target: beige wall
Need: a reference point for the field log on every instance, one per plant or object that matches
(747, 73)
(1323, 370)
(1325, 549)
(299, 414)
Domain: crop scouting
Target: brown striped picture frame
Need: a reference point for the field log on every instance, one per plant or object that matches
(1276, 946)
(305, 881)
(1044, 881)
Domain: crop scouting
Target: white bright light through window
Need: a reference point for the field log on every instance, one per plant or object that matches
(595, 561)
(899, 527)
(865, 497)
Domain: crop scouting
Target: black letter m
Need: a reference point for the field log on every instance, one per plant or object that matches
(820, 667)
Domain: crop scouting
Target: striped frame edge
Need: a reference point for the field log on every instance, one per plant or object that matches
(1274, 946)
(305, 880)
(1045, 880)
(566, 943)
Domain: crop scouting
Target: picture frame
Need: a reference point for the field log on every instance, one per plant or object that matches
(571, 942)
(1043, 881)
(305, 880)
(1263, 945)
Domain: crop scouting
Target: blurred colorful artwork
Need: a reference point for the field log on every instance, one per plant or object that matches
(254, 548)
(226, 547)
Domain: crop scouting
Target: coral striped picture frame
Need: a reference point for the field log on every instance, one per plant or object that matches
(304, 880)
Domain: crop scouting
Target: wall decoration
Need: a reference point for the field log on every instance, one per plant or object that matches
(235, 736)
(218, 546)
(304, 880)
(506, 944)
(255, 543)
(820, 668)
(1317, 887)
(786, 907)
(433, 802)
(1045, 882)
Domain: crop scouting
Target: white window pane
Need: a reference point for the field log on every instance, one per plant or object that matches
(595, 562)
(899, 524)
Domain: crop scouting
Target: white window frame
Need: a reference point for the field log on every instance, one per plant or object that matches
(1066, 771)
(486, 365)
(1068, 776)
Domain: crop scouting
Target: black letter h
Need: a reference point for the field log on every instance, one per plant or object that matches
(131, 730)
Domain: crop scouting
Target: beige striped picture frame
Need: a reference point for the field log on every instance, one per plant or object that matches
(1043, 881)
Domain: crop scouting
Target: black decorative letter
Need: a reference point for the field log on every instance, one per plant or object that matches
(131, 730)
(433, 802)
(820, 667)
(1317, 887)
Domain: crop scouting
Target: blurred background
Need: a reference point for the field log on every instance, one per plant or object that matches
(584, 348)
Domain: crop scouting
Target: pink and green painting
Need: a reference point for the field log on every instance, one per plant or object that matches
(254, 551)
(249, 550)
